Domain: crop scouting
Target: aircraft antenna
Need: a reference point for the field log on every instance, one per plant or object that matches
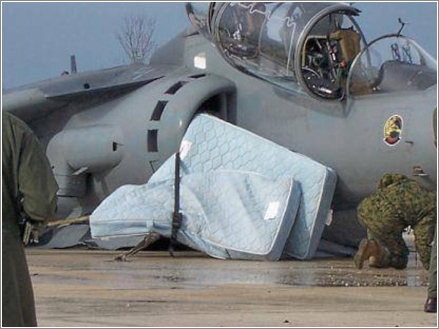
(402, 26)
(73, 64)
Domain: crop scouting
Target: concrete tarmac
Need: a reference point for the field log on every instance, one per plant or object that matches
(87, 288)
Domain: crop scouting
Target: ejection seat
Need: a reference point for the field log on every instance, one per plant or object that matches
(326, 60)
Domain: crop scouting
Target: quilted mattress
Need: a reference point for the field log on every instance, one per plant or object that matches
(211, 144)
(226, 214)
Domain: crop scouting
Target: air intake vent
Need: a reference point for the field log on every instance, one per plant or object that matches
(152, 140)
(175, 88)
(197, 76)
(158, 110)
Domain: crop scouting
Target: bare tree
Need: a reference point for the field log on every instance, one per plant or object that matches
(137, 37)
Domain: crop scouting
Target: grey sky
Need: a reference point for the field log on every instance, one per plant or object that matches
(39, 37)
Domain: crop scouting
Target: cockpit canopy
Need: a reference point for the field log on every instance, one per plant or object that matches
(392, 63)
(306, 47)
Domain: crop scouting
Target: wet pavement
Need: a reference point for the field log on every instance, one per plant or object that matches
(77, 287)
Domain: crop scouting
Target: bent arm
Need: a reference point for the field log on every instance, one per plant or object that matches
(36, 182)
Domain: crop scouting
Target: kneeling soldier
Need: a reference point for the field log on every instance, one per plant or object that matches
(399, 202)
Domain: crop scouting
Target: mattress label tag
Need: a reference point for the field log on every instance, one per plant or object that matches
(329, 217)
(271, 213)
(185, 148)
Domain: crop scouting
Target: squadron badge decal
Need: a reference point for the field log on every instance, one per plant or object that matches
(393, 130)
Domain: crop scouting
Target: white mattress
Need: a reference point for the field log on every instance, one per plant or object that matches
(212, 144)
(226, 214)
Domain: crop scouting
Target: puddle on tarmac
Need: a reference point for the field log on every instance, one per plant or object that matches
(195, 271)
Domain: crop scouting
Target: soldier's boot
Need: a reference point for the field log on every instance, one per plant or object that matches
(370, 250)
(363, 253)
(430, 305)
(377, 261)
(399, 262)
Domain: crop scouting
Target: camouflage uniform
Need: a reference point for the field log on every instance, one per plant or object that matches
(398, 203)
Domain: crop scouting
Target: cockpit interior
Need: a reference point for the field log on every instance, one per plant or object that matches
(312, 47)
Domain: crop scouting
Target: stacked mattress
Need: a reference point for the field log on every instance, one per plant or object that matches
(242, 197)
(225, 214)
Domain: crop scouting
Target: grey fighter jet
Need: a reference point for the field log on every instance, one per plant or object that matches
(302, 75)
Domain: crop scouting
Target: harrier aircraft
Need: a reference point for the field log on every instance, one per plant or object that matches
(300, 74)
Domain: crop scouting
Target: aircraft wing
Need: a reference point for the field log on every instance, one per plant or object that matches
(37, 100)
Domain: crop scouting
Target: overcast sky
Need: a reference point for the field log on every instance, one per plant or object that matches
(39, 37)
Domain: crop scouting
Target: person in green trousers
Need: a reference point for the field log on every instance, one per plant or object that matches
(430, 305)
(431, 302)
(28, 191)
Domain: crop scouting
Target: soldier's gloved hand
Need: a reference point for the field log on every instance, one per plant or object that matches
(32, 231)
